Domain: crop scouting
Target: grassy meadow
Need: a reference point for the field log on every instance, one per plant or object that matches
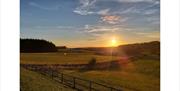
(32, 81)
(137, 75)
(61, 58)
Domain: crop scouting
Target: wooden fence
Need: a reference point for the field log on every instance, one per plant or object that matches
(74, 82)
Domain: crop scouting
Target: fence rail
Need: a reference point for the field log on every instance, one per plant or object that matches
(71, 81)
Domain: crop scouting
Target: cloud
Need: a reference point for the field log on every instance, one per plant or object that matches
(153, 20)
(85, 6)
(138, 9)
(102, 30)
(98, 30)
(111, 19)
(156, 36)
(155, 3)
(83, 12)
(144, 10)
(110, 15)
(86, 27)
(44, 7)
(150, 8)
(151, 11)
(130, 10)
(135, 1)
(152, 34)
(103, 12)
(86, 3)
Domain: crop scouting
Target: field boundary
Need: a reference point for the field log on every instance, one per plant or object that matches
(71, 81)
(98, 65)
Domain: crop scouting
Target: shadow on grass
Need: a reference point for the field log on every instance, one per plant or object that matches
(93, 65)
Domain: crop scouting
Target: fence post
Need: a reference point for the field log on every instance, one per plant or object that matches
(61, 77)
(111, 89)
(52, 73)
(74, 82)
(90, 86)
(35, 68)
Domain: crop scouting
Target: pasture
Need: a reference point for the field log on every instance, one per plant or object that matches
(61, 58)
(137, 75)
(140, 75)
(32, 81)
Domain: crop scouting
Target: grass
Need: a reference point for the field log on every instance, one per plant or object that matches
(60, 58)
(32, 81)
(138, 75)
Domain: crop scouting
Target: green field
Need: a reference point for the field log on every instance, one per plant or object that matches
(60, 58)
(137, 75)
(32, 81)
(140, 75)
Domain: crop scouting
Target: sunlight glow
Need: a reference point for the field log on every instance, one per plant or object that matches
(114, 42)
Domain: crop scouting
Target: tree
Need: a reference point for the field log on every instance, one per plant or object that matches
(36, 45)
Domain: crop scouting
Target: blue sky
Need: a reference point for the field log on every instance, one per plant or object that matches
(83, 23)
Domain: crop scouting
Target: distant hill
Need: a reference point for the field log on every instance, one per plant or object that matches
(147, 49)
(141, 48)
(36, 45)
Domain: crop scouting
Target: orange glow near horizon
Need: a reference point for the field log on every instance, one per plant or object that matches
(114, 42)
(105, 41)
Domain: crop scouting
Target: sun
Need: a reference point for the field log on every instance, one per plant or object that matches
(113, 41)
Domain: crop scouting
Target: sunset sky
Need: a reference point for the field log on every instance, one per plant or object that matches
(89, 23)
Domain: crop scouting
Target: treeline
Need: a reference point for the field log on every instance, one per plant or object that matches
(36, 45)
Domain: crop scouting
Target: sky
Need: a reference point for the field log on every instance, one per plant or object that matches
(91, 23)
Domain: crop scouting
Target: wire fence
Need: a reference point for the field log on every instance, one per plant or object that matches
(71, 81)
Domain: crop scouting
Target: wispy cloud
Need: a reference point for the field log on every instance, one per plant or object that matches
(128, 10)
(135, 1)
(155, 3)
(111, 15)
(136, 9)
(111, 19)
(44, 7)
(104, 11)
(83, 12)
(154, 20)
(100, 30)
(85, 6)
(152, 34)
(151, 11)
